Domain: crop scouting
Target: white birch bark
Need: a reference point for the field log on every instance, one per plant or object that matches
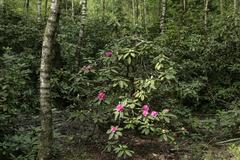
(206, 15)
(73, 9)
(221, 7)
(133, 12)
(163, 16)
(80, 42)
(46, 136)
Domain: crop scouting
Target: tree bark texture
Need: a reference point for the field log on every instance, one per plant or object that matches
(133, 12)
(81, 35)
(73, 9)
(46, 136)
(145, 15)
(184, 5)
(221, 6)
(163, 16)
(206, 15)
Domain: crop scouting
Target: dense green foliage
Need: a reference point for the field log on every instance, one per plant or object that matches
(192, 72)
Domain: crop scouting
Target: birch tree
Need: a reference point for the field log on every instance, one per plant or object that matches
(26, 7)
(46, 136)
(163, 16)
(206, 14)
(80, 42)
(73, 9)
(184, 5)
(221, 7)
(137, 11)
(235, 10)
(133, 12)
(145, 15)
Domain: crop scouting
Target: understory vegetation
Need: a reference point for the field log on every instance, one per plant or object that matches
(139, 79)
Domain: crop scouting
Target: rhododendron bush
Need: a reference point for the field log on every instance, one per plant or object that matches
(133, 74)
(129, 89)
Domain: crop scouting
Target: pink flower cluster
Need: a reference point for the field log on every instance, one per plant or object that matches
(101, 96)
(145, 111)
(87, 68)
(108, 53)
(120, 107)
(114, 129)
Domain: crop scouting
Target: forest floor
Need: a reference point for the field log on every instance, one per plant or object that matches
(73, 145)
(143, 151)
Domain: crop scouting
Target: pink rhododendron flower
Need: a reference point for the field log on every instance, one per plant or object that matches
(87, 68)
(154, 114)
(108, 53)
(119, 107)
(166, 110)
(145, 108)
(145, 113)
(114, 129)
(101, 96)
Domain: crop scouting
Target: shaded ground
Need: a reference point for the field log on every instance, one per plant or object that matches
(77, 140)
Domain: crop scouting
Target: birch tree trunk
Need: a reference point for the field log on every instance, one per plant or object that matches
(73, 9)
(206, 15)
(39, 12)
(184, 5)
(81, 35)
(137, 11)
(145, 15)
(221, 7)
(66, 5)
(159, 9)
(163, 16)
(235, 10)
(46, 136)
(133, 12)
(26, 6)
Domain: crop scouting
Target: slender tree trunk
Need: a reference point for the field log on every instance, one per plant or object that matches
(159, 10)
(235, 10)
(184, 5)
(81, 35)
(39, 11)
(206, 15)
(133, 12)
(137, 11)
(46, 137)
(73, 9)
(46, 8)
(66, 5)
(26, 6)
(145, 15)
(221, 7)
(163, 16)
